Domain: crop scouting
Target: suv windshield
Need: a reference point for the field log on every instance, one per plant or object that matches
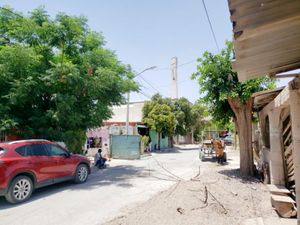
(2, 150)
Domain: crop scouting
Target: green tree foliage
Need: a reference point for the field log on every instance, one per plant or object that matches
(228, 98)
(188, 117)
(199, 117)
(184, 117)
(56, 77)
(158, 115)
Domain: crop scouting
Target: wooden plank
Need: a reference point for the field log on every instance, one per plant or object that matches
(265, 70)
(288, 150)
(287, 75)
(284, 205)
(289, 159)
(292, 178)
(287, 138)
(292, 172)
(274, 35)
(273, 48)
(286, 128)
(257, 16)
(249, 7)
(245, 63)
(280, 198)
(278, 189)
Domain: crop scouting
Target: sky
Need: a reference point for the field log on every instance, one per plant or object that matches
(146, 33)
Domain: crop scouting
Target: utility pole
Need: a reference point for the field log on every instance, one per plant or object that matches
(174, 88)
(128, 99)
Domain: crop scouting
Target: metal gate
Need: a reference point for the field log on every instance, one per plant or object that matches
(125, 146)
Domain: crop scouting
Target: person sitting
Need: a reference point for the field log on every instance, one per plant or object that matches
(99, 160)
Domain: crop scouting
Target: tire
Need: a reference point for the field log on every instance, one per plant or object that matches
(81, 174)
(19, 190)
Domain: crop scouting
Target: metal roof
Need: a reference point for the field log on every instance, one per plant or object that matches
(266, 36)
(263, 98)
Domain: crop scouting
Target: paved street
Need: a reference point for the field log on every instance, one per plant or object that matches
(104, 194)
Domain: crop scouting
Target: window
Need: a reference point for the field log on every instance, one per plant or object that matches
(38, 150)
(23, 151)
(55, 150)
(2, 150)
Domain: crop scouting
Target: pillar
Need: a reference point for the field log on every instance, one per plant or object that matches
(276, 159)
(295, 118)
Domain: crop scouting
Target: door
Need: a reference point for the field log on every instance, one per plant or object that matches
(40, 162)
(65, 165)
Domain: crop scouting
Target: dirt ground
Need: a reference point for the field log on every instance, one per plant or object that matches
(216, 195)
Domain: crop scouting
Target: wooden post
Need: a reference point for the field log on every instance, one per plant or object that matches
(276, 158)
(295, 118)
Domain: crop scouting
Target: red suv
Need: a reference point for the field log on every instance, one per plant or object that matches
(29, 164)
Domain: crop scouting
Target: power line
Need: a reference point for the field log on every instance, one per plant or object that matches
(147, 96)
(211, 28)
(187, 63)
(143, 86)
(180, 65)
(150, 84)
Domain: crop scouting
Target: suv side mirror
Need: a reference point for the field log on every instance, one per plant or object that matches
(67, 154)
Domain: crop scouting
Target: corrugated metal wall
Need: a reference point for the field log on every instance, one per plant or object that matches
(125, 147)
(164, 142)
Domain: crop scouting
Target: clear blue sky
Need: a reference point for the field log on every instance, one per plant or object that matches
(146, 33)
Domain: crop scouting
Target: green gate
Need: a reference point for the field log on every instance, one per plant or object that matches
(125, 146)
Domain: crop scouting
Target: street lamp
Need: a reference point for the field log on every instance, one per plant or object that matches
(127, 113)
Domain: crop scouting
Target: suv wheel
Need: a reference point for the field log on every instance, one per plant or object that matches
(81, 174)
(19, 190)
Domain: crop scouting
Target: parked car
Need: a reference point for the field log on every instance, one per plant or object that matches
(26, 165)
(228, 140)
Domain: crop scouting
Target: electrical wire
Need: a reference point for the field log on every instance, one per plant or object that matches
(150, 84)
(143, 86)
(187, 63)
(147, 96)
(211, 28)
(180, 65)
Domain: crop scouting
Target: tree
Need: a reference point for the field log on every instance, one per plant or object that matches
(56, 77)
(198, 114)
(183, 114)
(158, 115)
(228, 98)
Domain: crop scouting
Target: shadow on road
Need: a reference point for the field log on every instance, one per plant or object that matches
(236, 174)
(165, 151)
(117, 175)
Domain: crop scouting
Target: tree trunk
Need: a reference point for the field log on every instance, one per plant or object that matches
(193, 136)
(235, 134)
(243, 114)
(171, 144)
(158, 144)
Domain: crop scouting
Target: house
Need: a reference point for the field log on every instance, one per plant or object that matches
(116, 125)
(266, 42)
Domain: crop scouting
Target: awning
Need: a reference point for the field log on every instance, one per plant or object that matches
(266, 36)
(263, 98)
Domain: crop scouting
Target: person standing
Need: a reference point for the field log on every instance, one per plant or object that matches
(149, 143)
